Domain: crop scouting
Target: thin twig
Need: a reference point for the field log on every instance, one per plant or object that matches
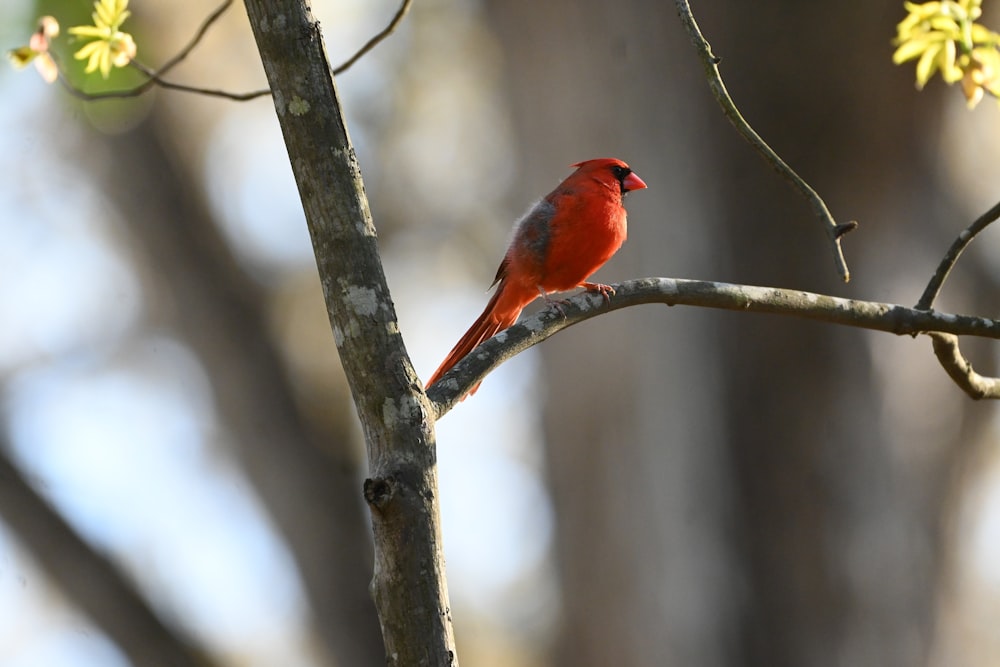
(373, 42)
(946, 347)
(948, 261)
(887, 317)
(81, 94)
(155, 77)
(834, 231)
(183, 53)
(78, 93)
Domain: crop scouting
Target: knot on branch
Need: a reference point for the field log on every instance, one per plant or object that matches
(844, 228)
(379, 491)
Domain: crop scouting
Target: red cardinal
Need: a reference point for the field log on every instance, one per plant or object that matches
(556, 246)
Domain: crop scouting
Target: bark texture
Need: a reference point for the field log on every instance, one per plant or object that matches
(409, 585)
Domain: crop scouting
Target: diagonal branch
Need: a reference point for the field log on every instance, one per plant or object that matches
(887, 317)
(202, 30)
(951, 257)
(834, 230)
(946, 347)
(155, 77)
(373, 42)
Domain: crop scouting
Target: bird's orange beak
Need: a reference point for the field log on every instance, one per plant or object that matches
(633, 182)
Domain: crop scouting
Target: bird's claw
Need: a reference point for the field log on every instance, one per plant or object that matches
(606, 291)
(557, 304)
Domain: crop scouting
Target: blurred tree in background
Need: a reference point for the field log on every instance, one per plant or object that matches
(657, 487)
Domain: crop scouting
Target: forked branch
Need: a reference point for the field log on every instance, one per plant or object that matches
(946, 347)
(834, 230)
(951, 257)
(887, 317)
(156, 77)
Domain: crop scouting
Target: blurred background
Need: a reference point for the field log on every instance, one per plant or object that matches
(181, 469)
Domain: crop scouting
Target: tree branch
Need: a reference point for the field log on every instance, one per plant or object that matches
(710, 61)
(951, 257)
(155, 77)
(198, 35)
(887, 317)
(409, 583)
(946, 347)
(373, 42)
(960, 370)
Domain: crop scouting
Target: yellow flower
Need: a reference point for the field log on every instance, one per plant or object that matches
(982, 76)
(111, 46)
(37, 50)
(942, 36)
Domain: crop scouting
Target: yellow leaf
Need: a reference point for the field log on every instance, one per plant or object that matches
(910, 50)
(973, 8)
(105, 62)
(945, 24)
(87, 31)
(907, 27)
(923, 10)
(928, 63)
(946, 61)
(104, 13)
(983, 35)
(87, 50)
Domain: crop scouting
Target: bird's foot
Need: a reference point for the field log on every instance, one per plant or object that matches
(606, 291)
(557, 304)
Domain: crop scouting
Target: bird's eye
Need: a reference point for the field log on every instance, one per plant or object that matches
(620, 172)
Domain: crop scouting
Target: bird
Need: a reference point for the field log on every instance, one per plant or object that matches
(563, 239)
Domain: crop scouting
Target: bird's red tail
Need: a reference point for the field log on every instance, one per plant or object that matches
(496, 317)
